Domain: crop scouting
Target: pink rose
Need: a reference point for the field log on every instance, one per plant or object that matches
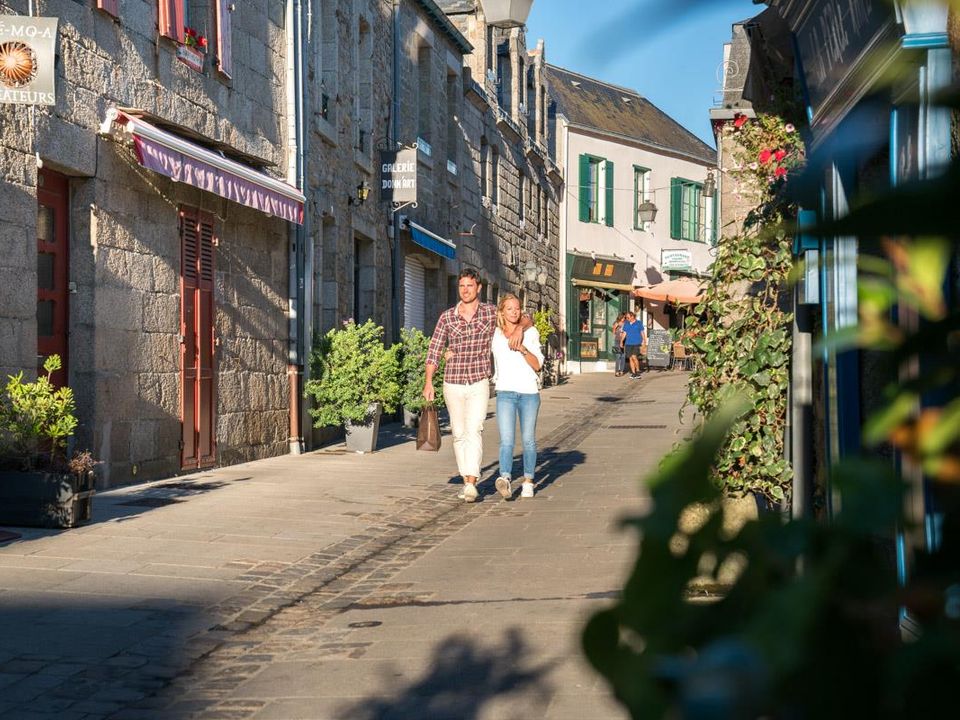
(789, 127)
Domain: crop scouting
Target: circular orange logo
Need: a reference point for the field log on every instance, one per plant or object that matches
(18, 64)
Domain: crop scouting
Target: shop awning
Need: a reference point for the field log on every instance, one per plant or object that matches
(428, 240)
(603, 285)
(599, 271)
(687, 291)
(187, 162)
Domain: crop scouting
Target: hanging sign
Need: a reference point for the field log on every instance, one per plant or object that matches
(27, 54)
(398, 175)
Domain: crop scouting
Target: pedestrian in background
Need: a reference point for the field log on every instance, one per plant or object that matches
(634, 337)
(518, 394)
(464, 333)
(621, 360)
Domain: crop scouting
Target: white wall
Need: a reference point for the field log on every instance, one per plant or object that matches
(622, 240)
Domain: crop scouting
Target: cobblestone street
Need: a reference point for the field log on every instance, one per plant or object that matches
(334, 585)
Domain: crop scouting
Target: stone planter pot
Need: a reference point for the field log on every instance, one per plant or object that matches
(362, 437)
(42, 499)
(411, 418)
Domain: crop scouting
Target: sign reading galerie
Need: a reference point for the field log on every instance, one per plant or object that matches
(398, 175)
(27, 52)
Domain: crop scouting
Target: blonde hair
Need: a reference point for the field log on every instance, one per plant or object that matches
(501, 321)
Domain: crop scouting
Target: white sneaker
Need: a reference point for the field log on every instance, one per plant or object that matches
(526, 490)
(470, 493)
(504, 487)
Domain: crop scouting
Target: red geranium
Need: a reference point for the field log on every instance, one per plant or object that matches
(780, 154)
(780, 172)
(764, 156)
(202, 41)
(739, 119)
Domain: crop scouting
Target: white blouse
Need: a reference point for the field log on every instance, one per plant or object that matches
(513, 373)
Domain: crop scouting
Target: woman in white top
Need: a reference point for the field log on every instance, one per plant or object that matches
(518, 395)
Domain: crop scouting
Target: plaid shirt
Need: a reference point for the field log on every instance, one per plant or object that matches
(470, 342)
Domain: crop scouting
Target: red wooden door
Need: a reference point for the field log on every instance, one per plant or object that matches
(197, 358)
(52, 271)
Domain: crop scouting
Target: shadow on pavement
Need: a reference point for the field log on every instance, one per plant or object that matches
(462, 678)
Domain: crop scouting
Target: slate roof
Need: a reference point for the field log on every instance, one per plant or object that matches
(607, 108)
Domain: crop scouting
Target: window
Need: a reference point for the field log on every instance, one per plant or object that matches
(641, 194)
(522, 196)
(495, 176)
(195, 23)
(596, 190)
(484, 171)
(363, 84)
(424, 136)
(329, 59)
(453, 118)
(504, 77)
(685, 221)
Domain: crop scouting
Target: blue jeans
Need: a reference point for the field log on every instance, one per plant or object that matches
(526, 406)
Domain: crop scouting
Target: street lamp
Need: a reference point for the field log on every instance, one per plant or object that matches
(709, 185)
(531, 270)
(646, 211)
(506, 13)
(363, 192)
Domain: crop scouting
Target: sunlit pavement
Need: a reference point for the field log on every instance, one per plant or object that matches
(335, 585)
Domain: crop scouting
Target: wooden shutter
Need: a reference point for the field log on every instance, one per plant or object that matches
(224, 38)
(197, 359)
(188, 339)
(676, 207)
(585, 189)
(170, 19)
(608, 187)
(110, 7)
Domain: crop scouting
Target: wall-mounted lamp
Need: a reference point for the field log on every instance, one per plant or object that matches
(646, 211)
(363, 192)
(532, 271)
(709, 185)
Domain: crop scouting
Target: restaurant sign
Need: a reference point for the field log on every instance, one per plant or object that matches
(675, 260)
(27, 54)
(398, 175)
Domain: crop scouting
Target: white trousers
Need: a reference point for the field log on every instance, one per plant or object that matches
(467, 407)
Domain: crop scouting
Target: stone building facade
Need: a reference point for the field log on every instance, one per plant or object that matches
(99, 252)
(205, 173)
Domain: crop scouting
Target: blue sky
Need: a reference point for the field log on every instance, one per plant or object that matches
(675, 62)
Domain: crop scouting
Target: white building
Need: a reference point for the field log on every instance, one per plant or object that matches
(620, 153)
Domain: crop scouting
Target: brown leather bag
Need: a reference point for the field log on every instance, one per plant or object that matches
(428, 433)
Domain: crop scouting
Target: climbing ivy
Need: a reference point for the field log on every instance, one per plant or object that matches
(740, 332)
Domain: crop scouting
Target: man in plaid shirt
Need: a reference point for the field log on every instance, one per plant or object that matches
(465, 332)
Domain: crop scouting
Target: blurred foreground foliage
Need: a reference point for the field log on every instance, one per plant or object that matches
(809, 625)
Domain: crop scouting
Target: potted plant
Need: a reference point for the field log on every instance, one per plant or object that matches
(413, 357)
(38, 486)
(543, 322)
(355, 379)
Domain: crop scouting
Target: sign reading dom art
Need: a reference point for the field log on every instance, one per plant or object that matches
(398, 175)
(675, 260)
(27, 52)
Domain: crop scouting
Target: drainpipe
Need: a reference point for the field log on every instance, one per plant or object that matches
(297, 235)
(395, 133)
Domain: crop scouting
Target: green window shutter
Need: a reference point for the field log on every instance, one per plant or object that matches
(585, 189)
(609, 189)
(636, 200)
(676, 207)
(716, 219)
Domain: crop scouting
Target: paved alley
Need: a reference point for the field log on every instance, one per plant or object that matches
(334, 585)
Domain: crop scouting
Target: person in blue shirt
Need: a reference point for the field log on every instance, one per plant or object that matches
(634, 338)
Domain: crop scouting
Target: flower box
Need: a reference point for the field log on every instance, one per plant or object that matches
(45, 499)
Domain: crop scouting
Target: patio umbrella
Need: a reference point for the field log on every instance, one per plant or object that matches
(685, 290)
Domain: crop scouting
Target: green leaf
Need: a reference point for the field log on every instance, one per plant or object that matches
(879, 426)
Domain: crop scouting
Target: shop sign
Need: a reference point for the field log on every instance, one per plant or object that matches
(589, 349)
(27, 54)
(602, 270)
(832, 37)
(398, 175)
(675, 260)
